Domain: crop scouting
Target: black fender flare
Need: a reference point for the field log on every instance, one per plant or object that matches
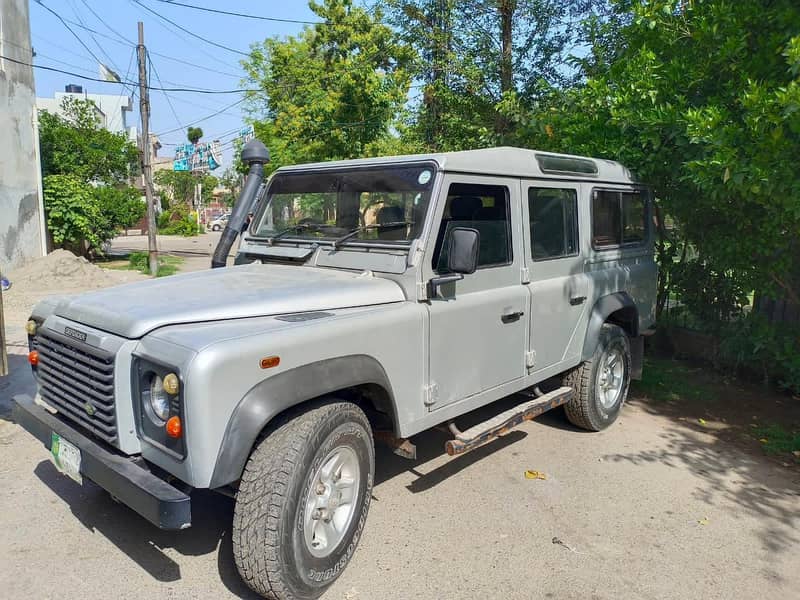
(605, 306)
(275, 394)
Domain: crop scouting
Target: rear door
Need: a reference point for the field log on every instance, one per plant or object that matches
(559, 287)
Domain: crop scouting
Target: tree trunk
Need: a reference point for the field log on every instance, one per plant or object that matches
(505, 10)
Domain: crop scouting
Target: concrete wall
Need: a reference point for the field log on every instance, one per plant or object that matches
(21, 211)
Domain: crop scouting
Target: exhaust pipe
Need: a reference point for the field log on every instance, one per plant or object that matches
(256, 155)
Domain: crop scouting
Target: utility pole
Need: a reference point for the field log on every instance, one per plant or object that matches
(144, 110)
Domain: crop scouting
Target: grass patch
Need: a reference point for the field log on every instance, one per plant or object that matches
(777, 440)
(668, 380)
(140, 261)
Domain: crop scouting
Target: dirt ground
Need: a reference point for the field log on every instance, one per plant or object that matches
(675, 500)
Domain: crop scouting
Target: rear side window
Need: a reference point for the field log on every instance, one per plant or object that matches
(618, 219)
(554, 222)
(482, 207)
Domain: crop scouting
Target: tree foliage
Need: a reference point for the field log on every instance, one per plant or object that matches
(85, 170)
(178, 188)
(702, 99)
(333, 91)
(193, 134)
(76, 145)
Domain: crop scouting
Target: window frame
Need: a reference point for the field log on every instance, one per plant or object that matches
(644, 193)
(577, 252)
(509, 224)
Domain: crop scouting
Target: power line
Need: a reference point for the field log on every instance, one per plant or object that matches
(161, 83)
(192, 33)
(158, 89)
(200, 120)
(243, 15)
(127, 42)
(64, 23)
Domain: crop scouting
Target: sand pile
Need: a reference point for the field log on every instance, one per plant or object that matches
(60, 272)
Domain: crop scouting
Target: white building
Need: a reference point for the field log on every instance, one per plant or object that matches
(114, 108)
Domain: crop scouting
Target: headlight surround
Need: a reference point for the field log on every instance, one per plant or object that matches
(152, 384)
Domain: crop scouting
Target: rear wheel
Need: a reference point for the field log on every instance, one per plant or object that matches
(600, 383)
(303, 502)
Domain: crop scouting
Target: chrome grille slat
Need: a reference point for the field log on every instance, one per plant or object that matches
(73, 376)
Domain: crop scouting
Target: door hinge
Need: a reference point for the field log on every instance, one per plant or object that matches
(430, 394)
(422, 291)
(530, 359)
(525, 275)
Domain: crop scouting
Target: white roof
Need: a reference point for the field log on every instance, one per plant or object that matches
(506, 161)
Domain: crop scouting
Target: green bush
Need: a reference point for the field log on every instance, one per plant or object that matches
(73, 213)
(177, 223)
(770, 350)
(167, 265)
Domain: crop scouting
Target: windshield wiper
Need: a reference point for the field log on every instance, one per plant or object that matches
(296, 228)
(338, 241)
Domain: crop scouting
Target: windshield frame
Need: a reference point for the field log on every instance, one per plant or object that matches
(332, 241)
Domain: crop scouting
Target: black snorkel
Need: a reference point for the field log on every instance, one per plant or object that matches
(256, 155)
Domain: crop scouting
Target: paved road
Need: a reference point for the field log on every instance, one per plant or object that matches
(651, 508)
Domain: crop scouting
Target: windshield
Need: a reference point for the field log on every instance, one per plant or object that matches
(383, 204)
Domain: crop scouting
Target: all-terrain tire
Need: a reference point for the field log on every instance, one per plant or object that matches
(586, 409)
(269, 547)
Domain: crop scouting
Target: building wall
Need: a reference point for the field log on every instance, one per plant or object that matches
(114, 108)
(21, 210)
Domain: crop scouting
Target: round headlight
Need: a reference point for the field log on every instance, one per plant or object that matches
(159, 399)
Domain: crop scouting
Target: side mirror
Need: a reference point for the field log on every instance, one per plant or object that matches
(462, 257)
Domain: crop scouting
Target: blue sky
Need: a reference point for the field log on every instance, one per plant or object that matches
(218, 69)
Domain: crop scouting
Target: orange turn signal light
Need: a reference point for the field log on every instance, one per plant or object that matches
(33, 358)
(173, 427)
(270, 361)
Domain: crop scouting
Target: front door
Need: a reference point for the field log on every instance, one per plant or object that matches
(479, 325)
(559, 287)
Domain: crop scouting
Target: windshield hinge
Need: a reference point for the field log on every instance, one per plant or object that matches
(525, 275)
(422, 291)
(430, 394)
(530, 359)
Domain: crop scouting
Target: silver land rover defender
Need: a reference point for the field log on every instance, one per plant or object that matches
(370, 300)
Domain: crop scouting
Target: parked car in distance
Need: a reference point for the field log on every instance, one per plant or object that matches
(218, 224)
(371, 300)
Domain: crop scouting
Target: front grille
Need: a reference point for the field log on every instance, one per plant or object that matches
(78, 381)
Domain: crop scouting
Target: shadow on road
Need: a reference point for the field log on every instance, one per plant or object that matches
(732, 469)
(18, 381)
(143, 542)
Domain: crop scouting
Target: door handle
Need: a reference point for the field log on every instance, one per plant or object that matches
(577, 300)
(510, 317)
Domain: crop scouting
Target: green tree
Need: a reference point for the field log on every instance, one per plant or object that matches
(193, 134)
(76, 145)
(702, 99)
(85, 170)
(333, 91)
(479, 59)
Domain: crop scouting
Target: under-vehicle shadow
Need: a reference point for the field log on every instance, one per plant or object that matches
(145, 543)
(212, 513)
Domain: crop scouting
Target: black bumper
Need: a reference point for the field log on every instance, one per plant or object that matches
(152, 497)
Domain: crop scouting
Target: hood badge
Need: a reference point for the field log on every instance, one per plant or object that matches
(89, 408)
(75, 334)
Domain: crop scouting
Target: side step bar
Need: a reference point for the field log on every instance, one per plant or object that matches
(485, 432)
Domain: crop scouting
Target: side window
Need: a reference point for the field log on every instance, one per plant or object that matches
(618, 218)
(482, 207)
(554, 222)
(633, 218)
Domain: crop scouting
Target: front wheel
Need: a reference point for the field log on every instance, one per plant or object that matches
(215, 228)
(600, 383)
(303, 501)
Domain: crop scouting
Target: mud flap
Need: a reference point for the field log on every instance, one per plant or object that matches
(637, 357)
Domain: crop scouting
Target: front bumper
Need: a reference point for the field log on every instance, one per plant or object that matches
(157, 501)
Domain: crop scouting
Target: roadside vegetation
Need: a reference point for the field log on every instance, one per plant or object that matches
(139, 261)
